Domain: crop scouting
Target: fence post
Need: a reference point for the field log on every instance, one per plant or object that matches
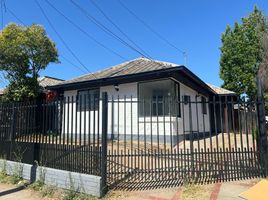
(104, 143)
(262, 137)
(12, 130)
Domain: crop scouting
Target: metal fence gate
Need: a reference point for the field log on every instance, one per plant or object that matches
(164, 142)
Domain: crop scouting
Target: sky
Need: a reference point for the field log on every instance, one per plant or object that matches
(190, 25)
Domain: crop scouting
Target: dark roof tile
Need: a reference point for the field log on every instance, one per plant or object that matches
(136, 66)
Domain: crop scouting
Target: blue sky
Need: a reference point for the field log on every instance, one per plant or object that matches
(193, 26)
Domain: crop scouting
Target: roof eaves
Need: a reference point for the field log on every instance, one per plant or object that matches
(197, 79)
(114, 77)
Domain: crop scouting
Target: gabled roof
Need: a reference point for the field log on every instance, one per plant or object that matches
(220, 91)
(135, 66)
(46, 81)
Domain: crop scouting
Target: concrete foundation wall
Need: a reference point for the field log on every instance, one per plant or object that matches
(85, 183)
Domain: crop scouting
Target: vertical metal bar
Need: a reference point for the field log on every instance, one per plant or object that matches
(164, 129)
(197, 127)
(85, 163)
(184, 138)
(12, 130)
(104, 142)
(221, 104)
(125, 132)
(131, 129)
(191, 138)
(118, 133)
(151, 126)
(92, 100)
(112, 127)
(177, 105)
(158, 142)
(89, 146)
(144, 130)
(171, 135)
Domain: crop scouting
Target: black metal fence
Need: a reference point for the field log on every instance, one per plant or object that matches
(51, 134)
(137, 143)
(162, 142)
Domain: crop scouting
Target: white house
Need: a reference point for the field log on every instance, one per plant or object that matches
(147, 99)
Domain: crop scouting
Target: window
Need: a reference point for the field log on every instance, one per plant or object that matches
(88, 100)
(158, 103)
(186, 99)
(204, 105)
(157, 98)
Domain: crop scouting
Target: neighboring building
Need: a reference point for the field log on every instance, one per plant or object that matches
(44, 82)
(1, 91)
(143, 85)
(221, 91)
(47, 81)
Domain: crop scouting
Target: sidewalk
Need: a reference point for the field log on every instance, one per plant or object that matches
(11, 192)
(217, 191)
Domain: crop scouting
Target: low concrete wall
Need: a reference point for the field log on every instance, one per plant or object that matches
(85, 183)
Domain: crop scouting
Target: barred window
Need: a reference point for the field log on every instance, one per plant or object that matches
(159, 98)
(88, 100)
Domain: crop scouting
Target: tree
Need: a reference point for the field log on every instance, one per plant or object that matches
(24, 52)
(241, 54)
(263, 68)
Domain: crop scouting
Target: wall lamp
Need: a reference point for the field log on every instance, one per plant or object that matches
(116, 87)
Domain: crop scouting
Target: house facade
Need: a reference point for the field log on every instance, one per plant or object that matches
(147, 99)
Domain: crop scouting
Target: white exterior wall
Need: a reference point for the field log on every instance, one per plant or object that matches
(201, 122)
(72, 118)
(123, 118)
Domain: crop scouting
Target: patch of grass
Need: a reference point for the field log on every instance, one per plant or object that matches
(48, 191)
(4, 178)
(195, 192)
(14, 179)
(74, 195)
(37, 185)
(44, 190)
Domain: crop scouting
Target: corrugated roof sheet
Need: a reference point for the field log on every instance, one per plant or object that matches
(48, 81)
(220, 90)
(135, 66)
(2, 91)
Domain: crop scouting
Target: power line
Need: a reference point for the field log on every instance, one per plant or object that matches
(62, 40)
(15, 16)
(18, 19)
(152, 30)
(3, 9)
(2, 15)
(107, 30)
(117, 27)
(83, 31)
(70, 62)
